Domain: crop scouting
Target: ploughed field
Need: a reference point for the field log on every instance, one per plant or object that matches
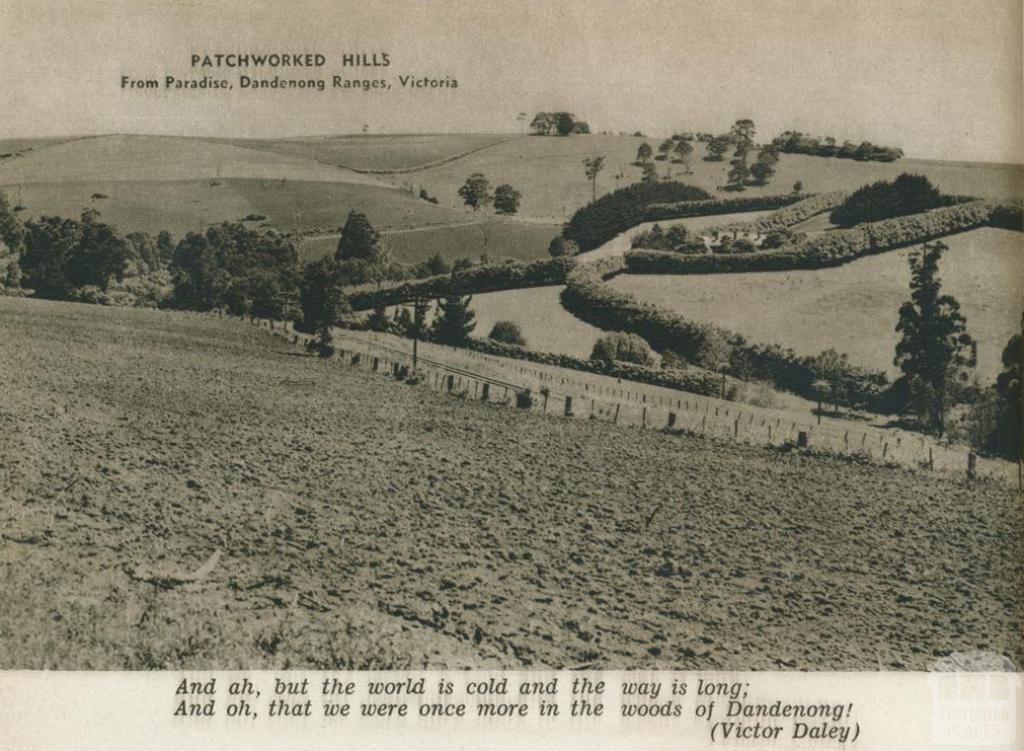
(854, 308)
(366, 523)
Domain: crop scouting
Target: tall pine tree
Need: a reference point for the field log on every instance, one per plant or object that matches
(936, 352)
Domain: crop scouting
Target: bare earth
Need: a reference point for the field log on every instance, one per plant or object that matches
(366, 523)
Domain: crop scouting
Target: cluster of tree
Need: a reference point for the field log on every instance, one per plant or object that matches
(238, 269)
(476, 193)
(676, 239)
(907, 194)
(794, 142)
(84, 259)
(622, 347)
(600, 221)
(671, 151)
(558, 124)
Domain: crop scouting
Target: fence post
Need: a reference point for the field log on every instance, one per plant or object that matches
(671, 419)
(451, 382)
(568, 406)
(643, 419)
(485, 392)
(801, 439)
(616, 420)
(931, 459)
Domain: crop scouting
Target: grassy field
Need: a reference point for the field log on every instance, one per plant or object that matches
(347, 521)
(180, 206)
(297, 183)
(854, 308)
(519, 240)
(375, 152)
(549, 173)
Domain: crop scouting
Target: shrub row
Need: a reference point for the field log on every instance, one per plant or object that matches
(657, 212)
(832, 248)
(492, 277)
(787, 216)
(693, 381)
(588, 298)
(599, 221)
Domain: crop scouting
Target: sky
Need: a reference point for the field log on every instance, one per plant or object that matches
(941, 79)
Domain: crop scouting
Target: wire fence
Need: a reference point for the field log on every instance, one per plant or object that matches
(580, 395)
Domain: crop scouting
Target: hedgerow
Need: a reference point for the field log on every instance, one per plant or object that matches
(657, 212)
(836, 247)
(589, 299)
(492, 277)
(601, 220)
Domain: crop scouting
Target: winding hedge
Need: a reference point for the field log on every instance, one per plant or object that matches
(599, 221)
(836, 247)
(590, 300)
(696, 381)
(657, 212)
(788, 215)
(492, 277)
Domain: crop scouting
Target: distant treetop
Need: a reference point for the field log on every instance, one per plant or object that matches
(794, 142)
(558, 124)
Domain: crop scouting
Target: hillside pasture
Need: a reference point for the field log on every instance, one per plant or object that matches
(854, 308)
(153, 158)
(518, 240)
(188, 205)
(373, 152)
(549, 173)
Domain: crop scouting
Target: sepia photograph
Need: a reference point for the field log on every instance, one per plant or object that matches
(511, 336)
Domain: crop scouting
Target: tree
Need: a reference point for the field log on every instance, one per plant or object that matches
(322, 301)
(592, 168)
(12, 233)
(738, 175)
(561, 247)
(798, 187)
(506, 199)
(565, 123)
(507, 332)
(436, 265)
(907, 194)
(935, 352)
(831, 368)
(359, 241)
(715, 353)
(455, 321)
(762, 172)
(644, 152)
(684, 152)
(543, 124)
(622, 347)
(165, 247)
(743, 132)
(475, 192)
(716, 149)
(378, 319)
(648, 173)
(1006, 438)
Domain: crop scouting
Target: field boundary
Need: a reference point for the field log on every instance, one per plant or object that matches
(561, 392)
